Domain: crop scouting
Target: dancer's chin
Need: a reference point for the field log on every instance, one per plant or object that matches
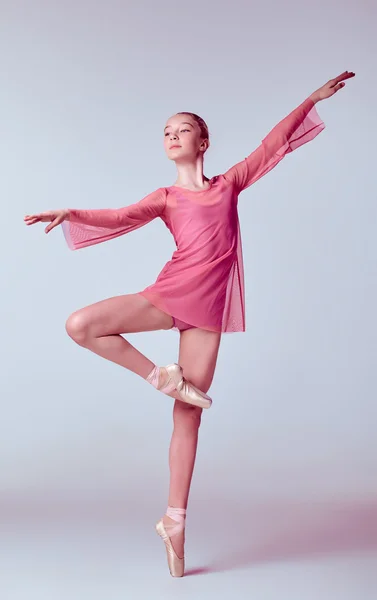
(178, 157)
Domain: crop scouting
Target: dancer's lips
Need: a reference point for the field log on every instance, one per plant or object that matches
(175, 146)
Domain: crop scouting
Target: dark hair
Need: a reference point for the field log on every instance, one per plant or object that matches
(204, 133)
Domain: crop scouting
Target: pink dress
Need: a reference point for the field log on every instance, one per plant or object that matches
(203, 283)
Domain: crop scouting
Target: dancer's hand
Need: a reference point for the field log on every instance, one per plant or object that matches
(54, 216)
(331, 87)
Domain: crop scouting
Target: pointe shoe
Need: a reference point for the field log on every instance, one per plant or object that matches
(176, 564)
(186, 391)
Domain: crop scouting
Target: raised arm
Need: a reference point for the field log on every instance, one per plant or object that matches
(87, 227)
(300, 126)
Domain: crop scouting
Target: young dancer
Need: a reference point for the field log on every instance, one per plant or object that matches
(199, 292)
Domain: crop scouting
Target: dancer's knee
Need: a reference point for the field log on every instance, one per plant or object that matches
(201, 380)
(77, 328)
(186, 415)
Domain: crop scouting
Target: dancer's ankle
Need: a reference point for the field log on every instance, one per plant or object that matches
(163, 377)
(159, 378)
(175, 520)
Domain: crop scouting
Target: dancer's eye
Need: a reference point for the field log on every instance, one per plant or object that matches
(182, 130)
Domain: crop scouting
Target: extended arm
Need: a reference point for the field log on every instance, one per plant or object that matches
(87, 227)
(300, 126)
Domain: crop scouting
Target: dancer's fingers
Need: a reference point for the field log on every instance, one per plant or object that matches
(45, 216)
(340, 77)
(343, 76)
(38, 217)
(53, 224)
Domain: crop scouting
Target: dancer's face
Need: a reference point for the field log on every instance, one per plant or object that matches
(182, 139)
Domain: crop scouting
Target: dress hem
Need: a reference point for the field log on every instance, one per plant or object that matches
(160, 305)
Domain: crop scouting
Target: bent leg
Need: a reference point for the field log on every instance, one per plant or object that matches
(198, 356)
(98, 327)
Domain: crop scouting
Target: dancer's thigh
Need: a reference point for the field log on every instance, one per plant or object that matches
(130, 313)
(198, 351)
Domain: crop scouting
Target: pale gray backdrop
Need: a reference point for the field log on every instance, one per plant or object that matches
(284, 491)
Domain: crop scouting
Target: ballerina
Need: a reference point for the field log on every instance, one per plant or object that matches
(199, 292)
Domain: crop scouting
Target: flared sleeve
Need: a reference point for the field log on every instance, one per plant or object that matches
(301, 126)
(88, 227)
